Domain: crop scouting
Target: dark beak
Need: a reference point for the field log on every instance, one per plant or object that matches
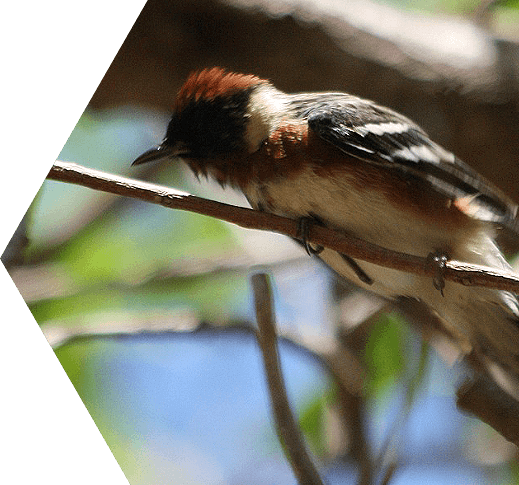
(159, 153)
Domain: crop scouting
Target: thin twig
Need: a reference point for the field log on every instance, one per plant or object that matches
(462, 273)
(288, 430)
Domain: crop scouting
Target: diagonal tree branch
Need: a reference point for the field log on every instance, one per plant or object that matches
(456, 271)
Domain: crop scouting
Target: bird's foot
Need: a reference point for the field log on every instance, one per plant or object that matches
(302, 234)
(438, 261)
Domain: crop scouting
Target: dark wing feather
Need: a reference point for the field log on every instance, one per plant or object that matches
(381, 136)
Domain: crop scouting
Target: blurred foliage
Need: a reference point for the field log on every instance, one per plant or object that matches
(384, 353)
(116, 244)
(311, 421)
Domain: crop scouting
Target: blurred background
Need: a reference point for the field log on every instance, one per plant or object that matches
(150, 310)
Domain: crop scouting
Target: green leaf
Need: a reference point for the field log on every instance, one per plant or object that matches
(384, 353)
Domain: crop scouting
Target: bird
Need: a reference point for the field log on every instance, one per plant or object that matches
(354, 166)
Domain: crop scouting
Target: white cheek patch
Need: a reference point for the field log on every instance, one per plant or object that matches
(266, 109)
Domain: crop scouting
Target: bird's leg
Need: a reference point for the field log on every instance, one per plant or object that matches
(438, 260)
(361, 274)
(302, 234)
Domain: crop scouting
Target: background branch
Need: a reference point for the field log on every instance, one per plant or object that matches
(459, 272)
(286, 424)
(491, 404)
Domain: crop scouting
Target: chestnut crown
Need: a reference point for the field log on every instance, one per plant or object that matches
(211, 114)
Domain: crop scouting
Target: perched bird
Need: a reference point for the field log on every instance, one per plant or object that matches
(361, 168)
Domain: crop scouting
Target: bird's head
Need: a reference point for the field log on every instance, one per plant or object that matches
(217, 115)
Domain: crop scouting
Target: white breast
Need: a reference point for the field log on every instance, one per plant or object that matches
(368, 216)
